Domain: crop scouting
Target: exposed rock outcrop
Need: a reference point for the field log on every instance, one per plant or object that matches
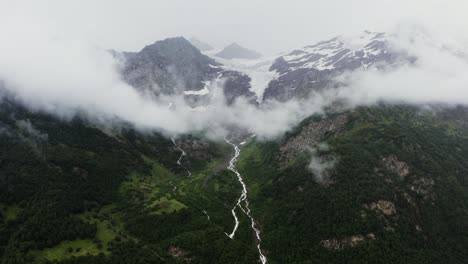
(179, 254)
(347, 242)
(395, 165)
(175, 67)
(382, 206)
(196, 149)
(423, 187)
(310, 135)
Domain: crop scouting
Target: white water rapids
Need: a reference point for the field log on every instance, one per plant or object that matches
(183, 153)
(243, 199)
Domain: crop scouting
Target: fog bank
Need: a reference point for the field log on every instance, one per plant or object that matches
(67, 75)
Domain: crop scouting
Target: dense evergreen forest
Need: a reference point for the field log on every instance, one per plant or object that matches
(396, 192)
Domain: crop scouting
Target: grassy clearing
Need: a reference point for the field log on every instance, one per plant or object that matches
(256, 166)
(250, 152)
(149, 186)
(139, 185)
(156, 190)
(166, 206)
(109, 227)
(68, 249)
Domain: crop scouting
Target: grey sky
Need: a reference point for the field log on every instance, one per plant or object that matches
(269, 26)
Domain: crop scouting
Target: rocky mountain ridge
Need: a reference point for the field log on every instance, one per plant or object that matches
(313, 68)
(175, 67)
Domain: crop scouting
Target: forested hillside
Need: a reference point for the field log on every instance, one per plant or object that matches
(385, 184)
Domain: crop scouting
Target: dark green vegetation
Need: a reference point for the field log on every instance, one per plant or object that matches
(71, 193)
(430, 221)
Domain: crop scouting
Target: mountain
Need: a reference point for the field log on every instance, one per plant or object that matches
(202, 46)
(386, 183)
(170, 66)
(175, 67)
(376, 191)
(236, 51)
(313, 68)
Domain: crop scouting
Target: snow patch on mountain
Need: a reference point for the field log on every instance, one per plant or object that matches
(314, 67)
(326, 55)
(203, 91)
(258, 70)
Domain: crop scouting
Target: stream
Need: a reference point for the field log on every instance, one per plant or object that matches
(243, 203)
(183, 153)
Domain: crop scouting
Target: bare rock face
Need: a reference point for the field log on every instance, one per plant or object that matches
(423, 187)
(385, 207)
(395, 165)
(169, 66)
(80, 172)
(196, 149)
(310, 135)
(179, 254)
(384, 210)
(175, 67)
(347, 242)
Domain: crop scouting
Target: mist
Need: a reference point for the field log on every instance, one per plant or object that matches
(320, 165)
(268, 26)
(66, 74)
(437, 76)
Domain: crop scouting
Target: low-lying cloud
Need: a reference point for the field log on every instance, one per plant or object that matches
(320, 165)
(438, 74)
(52, 72)
(66, 76)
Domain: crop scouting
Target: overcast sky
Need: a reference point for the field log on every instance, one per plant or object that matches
(269, 26)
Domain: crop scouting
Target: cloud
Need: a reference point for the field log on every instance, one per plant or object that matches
(264, 25)
(320, 165)
(56, 71)
(437, 76)
(66, 76)
(28, 129)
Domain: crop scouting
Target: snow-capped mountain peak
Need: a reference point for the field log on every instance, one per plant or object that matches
(338, 51)
(313, 67)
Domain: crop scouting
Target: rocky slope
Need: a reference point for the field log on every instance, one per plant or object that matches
(313, 68)
(175, 67)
